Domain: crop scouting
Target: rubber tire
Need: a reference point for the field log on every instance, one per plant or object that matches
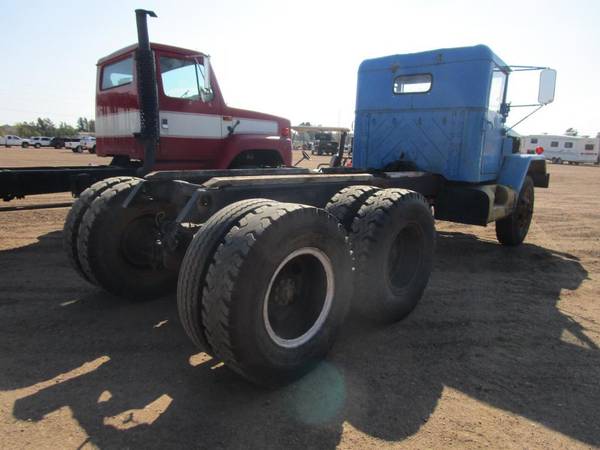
(345, 204)
(508, 230)
(92, 150)
(195, 264)
(75, 216)
(378, 222)
(24, 145)
(37, 146)
(237, 281)
(99, 246)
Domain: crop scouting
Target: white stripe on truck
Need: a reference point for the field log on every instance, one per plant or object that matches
(187, 125)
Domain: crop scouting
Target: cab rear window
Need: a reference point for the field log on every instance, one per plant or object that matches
(117, 74)
(413, 84)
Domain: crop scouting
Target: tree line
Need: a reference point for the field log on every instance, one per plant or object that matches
(46, 127)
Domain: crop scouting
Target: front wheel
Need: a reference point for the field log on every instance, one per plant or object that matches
(512, 230)
(37, 146)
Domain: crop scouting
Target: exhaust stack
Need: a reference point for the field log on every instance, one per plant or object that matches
(149, 134)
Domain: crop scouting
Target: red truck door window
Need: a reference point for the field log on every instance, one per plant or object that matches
(190, 116)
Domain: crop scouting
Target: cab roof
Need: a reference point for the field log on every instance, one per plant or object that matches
(153, 46)
(435, 57)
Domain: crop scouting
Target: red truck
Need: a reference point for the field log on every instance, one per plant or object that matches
(197, 129)
(178, 120)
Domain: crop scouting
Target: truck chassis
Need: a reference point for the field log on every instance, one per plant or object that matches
(266, 261)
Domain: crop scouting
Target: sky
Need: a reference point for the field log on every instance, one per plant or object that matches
(298, 59)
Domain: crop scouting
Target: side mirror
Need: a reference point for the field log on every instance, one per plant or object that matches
(547, 86)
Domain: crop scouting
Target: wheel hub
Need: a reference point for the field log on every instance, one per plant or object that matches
(299, 297)
(141, 243)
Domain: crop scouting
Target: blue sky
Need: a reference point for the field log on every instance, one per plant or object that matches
(297, 59)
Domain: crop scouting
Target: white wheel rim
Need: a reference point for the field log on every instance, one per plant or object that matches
(329, 292)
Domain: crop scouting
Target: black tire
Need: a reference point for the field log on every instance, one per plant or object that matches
(276, 253)
(393, 238)
(195, 265)
(92, 150)
(75, 216)
(345, 204)
(118, 247)
(25, 145)
(513, 229)
(37, 145)
(78, 149)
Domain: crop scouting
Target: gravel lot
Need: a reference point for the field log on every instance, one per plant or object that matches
(501, 352)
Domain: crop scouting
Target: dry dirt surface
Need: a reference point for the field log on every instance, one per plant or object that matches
(502, 351)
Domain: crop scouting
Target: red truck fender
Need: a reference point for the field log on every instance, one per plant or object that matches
(255, 150)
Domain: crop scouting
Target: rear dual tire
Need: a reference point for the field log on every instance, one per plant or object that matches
(392, 233)
(275, 290)
(75, 216)
(117, 248)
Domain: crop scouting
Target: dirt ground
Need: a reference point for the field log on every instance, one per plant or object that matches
(501, 352)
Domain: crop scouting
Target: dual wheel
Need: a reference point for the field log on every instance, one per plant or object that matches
(264, 286)
(117, 248)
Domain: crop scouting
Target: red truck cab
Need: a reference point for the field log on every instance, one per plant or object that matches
(197, 129)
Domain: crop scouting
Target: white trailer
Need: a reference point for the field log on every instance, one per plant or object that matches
(560, 149)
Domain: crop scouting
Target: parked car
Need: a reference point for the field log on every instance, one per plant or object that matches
(88, 143)
(58, 142)
(74, 144)
(11, 139)
(40, 141)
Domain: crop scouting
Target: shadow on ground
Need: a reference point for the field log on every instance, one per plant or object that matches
(488, 326)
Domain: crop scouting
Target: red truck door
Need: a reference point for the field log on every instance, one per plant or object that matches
(190, 116)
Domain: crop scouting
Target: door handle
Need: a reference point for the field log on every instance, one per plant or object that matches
(164, 123)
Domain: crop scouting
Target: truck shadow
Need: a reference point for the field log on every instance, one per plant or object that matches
(489, 327)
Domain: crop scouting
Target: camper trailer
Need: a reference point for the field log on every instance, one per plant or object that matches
(562, 149)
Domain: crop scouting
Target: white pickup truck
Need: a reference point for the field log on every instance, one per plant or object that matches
(79, 145)
(11, 139)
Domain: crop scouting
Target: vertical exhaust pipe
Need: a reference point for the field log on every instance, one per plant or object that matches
(147, 91)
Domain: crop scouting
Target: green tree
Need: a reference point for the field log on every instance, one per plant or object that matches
(82, 124)
(45, 127)
(92, 125)
(27, 129)
(65, 130)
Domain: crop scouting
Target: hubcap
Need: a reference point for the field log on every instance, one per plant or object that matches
(299, 297)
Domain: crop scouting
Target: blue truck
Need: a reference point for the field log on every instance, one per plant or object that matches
(266, 262)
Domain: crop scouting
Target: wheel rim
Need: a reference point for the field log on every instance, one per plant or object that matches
(299, 297)
(405, 256)
(524, 209)
(140, 243)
